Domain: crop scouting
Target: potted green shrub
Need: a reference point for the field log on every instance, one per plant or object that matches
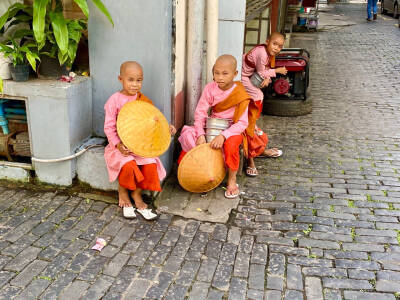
(22, 56)
(56, 36)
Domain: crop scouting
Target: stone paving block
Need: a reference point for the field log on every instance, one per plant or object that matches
(199, 291)
(115, 265)
(273, 295)
(75, 290)
(313, 288)
(293, 295)
(294, 279)
(346, 283)
(242, 262)
(356, 264)
(310, 262)
(187, 273)
(331, 294)
(259, 254)
(255, 295)
(138, 289)
(387, 286)
(57, 286)
(176, 292)
(123, 281)
(237, 289)
(28, 274)
(356, 295)
(9, 292)
(157, 290)
(207, 269)
(22, 259)
(34, 289)
(222, 277)
(215, 295)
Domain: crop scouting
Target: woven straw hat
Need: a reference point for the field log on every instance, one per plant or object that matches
(201, 169)
(143, 129)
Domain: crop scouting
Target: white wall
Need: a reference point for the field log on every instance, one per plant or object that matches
(231, 29)
(142, 32)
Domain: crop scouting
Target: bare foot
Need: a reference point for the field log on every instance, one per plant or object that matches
(272, 152)
(123, 197)
(137, 197)
(232, 190)
(250, 163)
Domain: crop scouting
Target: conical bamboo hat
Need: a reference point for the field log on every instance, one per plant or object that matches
(201, 169)
(143, 129)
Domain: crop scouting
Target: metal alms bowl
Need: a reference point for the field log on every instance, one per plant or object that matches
(256, 79)
(217, 123)
(214, 126)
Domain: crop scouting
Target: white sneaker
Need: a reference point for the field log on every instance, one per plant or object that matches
(129, 212)
(147, 213)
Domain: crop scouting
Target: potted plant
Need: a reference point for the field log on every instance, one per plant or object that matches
(22, 55)
(56, 36)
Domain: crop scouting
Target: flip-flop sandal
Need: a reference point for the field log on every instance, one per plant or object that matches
(233, 195)
(128, 212)
(252, 172)
(147, 214)
(278, 154)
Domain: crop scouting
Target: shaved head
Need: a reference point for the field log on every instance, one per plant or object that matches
(227, 59)
(275, 35)
(132, 65)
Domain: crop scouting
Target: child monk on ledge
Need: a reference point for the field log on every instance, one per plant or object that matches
(228, 100)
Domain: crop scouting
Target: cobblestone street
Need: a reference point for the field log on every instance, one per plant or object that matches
(321, 222)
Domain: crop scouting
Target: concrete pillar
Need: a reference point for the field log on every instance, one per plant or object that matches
(195, 39)
(180, 63)
(231, 29)
(212, 36)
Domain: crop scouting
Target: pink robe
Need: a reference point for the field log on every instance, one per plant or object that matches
(211, 96)
(261, 59)
(114, 158)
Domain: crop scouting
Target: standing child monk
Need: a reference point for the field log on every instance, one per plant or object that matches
(260, 59)
(134, 173)
(228, 100)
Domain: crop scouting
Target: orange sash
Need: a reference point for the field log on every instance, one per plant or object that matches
(141, 97)
(238, 98)
(241, 100)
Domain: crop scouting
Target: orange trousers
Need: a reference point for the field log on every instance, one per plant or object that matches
(144, 177)
(231, 152)
(259, 141)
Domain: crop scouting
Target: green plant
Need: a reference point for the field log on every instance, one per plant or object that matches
(55, 35)
(27, 53)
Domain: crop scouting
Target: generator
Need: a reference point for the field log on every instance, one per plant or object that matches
(293, 85)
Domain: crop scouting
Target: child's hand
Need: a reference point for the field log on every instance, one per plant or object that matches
(122, 148)
(201, 140)
(172, 129)
(281, 70)
(217, 142)
(265, 82)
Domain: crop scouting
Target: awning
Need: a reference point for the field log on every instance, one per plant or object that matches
(255, 7)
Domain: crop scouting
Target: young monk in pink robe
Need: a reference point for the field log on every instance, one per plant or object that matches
(228, 100)
(134, 173)
(260, 59)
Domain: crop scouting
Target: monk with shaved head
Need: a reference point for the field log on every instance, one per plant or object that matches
(134, 173)
(260, 60)
(227, 99)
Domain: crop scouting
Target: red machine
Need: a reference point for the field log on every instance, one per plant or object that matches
(293, 85)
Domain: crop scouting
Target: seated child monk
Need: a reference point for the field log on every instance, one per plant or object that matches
(260, 59)
(228, 100)
(134, 173)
